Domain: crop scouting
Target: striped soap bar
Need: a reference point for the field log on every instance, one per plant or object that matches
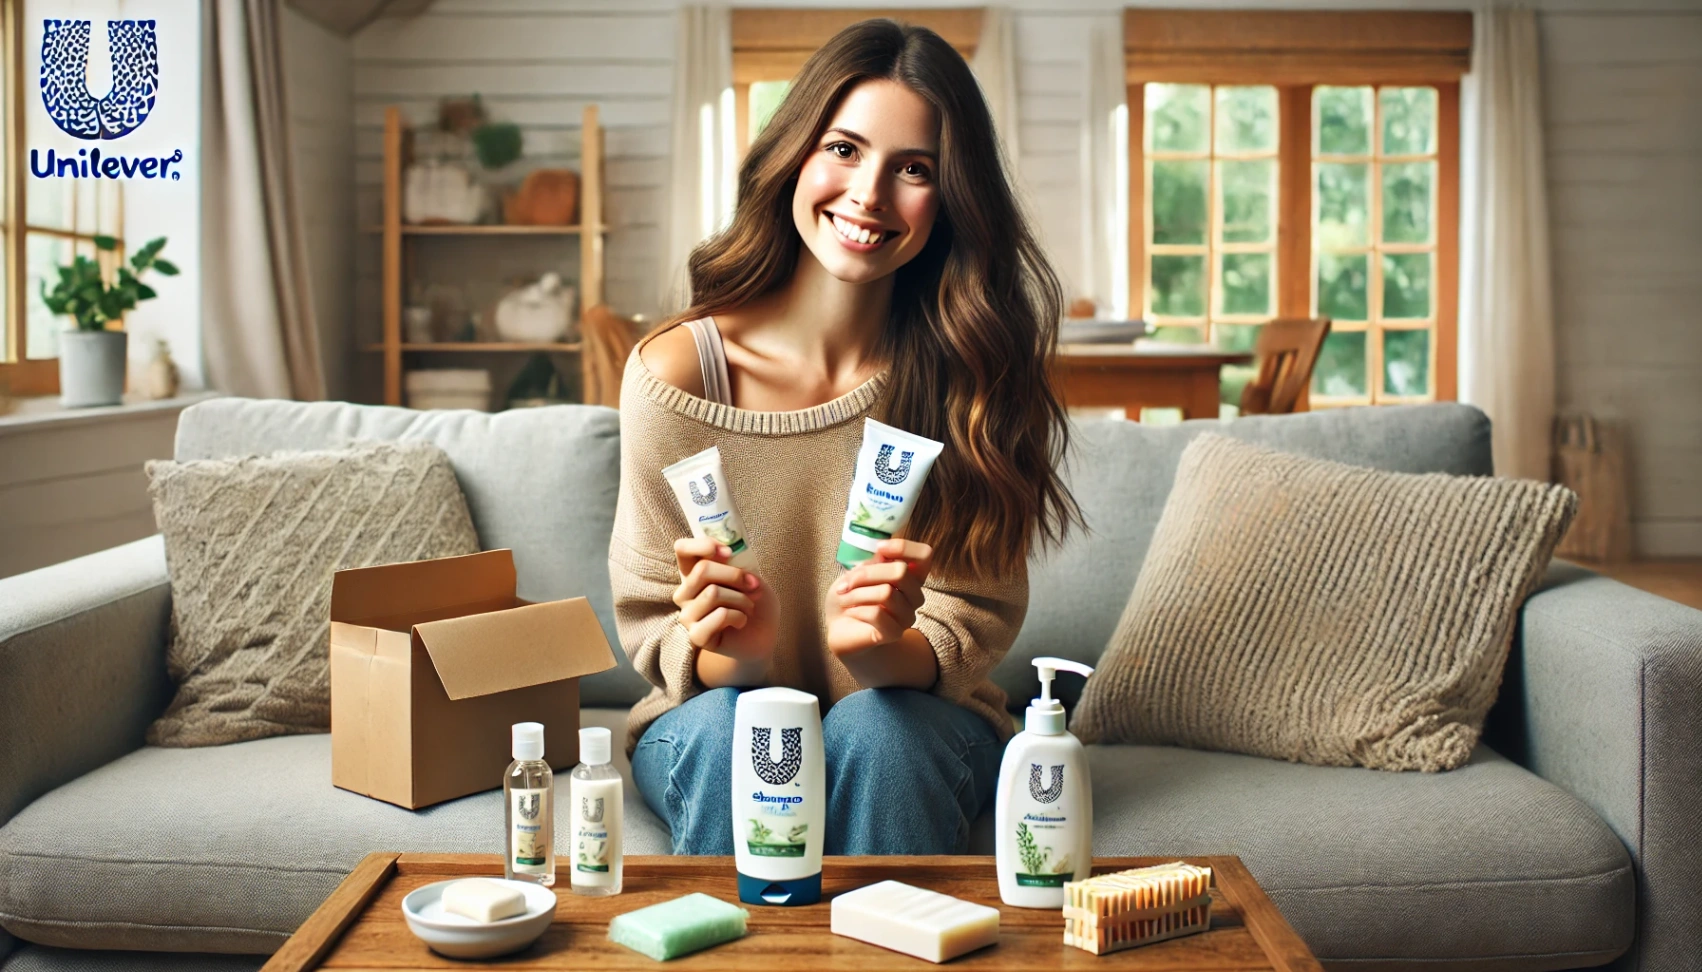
(915, 921)
(1111, 912)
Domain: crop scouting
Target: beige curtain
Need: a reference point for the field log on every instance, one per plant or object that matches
(1506, 305)
(258, 328)
(1104, 273)
(995, 67)
(701, 183)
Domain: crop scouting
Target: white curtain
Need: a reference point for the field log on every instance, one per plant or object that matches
(995, 67)
(1506, 305)
(258, 329)
(1105, 171)
(701, 185)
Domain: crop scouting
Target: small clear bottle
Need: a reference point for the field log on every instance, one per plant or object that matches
(596, 805)
(528, 790)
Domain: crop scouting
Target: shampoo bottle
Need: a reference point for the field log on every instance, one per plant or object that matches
(528, 789)
(1043, 817)
(595, 789)
(779, 796)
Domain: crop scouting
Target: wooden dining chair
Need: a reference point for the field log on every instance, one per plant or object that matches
(1286, 351)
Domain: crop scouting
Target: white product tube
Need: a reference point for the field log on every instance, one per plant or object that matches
(706, 497)
(779, 796)
(892, 465)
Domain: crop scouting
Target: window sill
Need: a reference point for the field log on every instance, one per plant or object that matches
(38, 414)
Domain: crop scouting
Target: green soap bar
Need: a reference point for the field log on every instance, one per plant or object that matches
(679, 927)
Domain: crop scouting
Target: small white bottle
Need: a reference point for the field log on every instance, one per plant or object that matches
(528, 790)
(596, 794)
(1043, 817)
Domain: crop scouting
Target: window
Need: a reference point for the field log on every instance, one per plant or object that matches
(1300, 164)
(46, 222)
(769, 46)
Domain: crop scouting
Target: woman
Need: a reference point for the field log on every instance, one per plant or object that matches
(877, 265)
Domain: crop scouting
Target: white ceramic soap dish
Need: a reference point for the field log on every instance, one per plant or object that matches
(459, 937)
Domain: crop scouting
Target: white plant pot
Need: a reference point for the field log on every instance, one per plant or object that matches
(91, 367)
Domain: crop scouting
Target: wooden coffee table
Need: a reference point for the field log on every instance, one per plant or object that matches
(360, 925)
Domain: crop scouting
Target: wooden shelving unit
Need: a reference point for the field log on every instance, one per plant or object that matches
(591, 230)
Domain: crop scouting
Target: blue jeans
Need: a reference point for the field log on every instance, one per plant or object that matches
(877, 742)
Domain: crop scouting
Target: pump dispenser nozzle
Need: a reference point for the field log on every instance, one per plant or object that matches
(1046, 714)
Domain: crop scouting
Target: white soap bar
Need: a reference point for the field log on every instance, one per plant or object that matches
(915, 921)
(483, 900)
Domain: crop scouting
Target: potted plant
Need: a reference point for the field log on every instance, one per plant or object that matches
(91, 357)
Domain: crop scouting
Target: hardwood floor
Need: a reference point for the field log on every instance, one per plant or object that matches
(1678, 580)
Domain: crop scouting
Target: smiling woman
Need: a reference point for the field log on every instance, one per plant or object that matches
(876, 267)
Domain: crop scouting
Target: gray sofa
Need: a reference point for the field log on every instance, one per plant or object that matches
(1569, 840)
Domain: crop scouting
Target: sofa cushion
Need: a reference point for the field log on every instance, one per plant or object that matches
(541, 481)
(229, 848)
(1484, 867)
(1121, 473)
(252, 544)
(1305, 609)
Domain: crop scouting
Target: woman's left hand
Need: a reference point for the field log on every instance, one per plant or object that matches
(875, 602)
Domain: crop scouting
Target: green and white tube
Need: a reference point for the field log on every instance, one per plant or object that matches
(706, 497)
(892, 465)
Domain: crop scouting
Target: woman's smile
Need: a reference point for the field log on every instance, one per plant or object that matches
(859, 237)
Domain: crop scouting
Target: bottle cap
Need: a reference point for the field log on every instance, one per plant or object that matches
(528, 740)
(594, 746)
(1046, 714)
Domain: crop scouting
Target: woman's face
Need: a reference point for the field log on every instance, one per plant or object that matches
(866, 197)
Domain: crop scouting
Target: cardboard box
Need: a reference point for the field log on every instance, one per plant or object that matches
(432, 663)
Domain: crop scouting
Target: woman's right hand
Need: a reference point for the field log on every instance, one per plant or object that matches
(725, 610)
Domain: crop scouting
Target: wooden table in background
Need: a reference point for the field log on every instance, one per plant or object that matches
(360, 925)
(1149, 376)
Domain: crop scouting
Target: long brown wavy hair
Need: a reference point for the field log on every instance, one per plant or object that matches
(974, 315)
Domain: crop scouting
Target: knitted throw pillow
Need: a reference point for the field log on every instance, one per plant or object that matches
(1322, 613)
(251, 545)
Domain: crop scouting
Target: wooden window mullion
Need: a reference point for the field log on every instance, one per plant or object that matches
(1137, 200)
(1446, 273)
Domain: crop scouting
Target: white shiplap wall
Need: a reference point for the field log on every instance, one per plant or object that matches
(1624, 148)
(1625, 163)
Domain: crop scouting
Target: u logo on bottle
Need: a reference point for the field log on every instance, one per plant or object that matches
(64, 77)
(589, 811)
(791, 755)
(888, 473)
(1048, 794)
(697, 495)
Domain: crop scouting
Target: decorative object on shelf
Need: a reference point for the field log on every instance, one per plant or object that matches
(1083, 307)
(608, 339)
(538, 383)
(91, 357)
(547, 197)
(539, 312)
(160, 379)
(449, 388)
(416, 324)
(498, 144)
(441, 192)
(460, 115)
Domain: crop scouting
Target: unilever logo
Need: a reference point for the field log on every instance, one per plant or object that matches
(888, 473)
(791, 755)
(66, 97)
(697, 496)
(1049, 794)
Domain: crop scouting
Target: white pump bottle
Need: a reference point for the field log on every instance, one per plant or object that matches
(1043, 817)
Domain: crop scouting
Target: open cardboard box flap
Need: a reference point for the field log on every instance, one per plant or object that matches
(500, 650)
(425, 588)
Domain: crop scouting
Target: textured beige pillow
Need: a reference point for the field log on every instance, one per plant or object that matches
(251, 545)
(1322, 613)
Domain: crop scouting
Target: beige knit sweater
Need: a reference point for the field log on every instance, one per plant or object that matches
(789, 473)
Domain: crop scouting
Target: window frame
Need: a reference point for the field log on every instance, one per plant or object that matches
(772, 44)
(21, 375)
(1296, 52)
